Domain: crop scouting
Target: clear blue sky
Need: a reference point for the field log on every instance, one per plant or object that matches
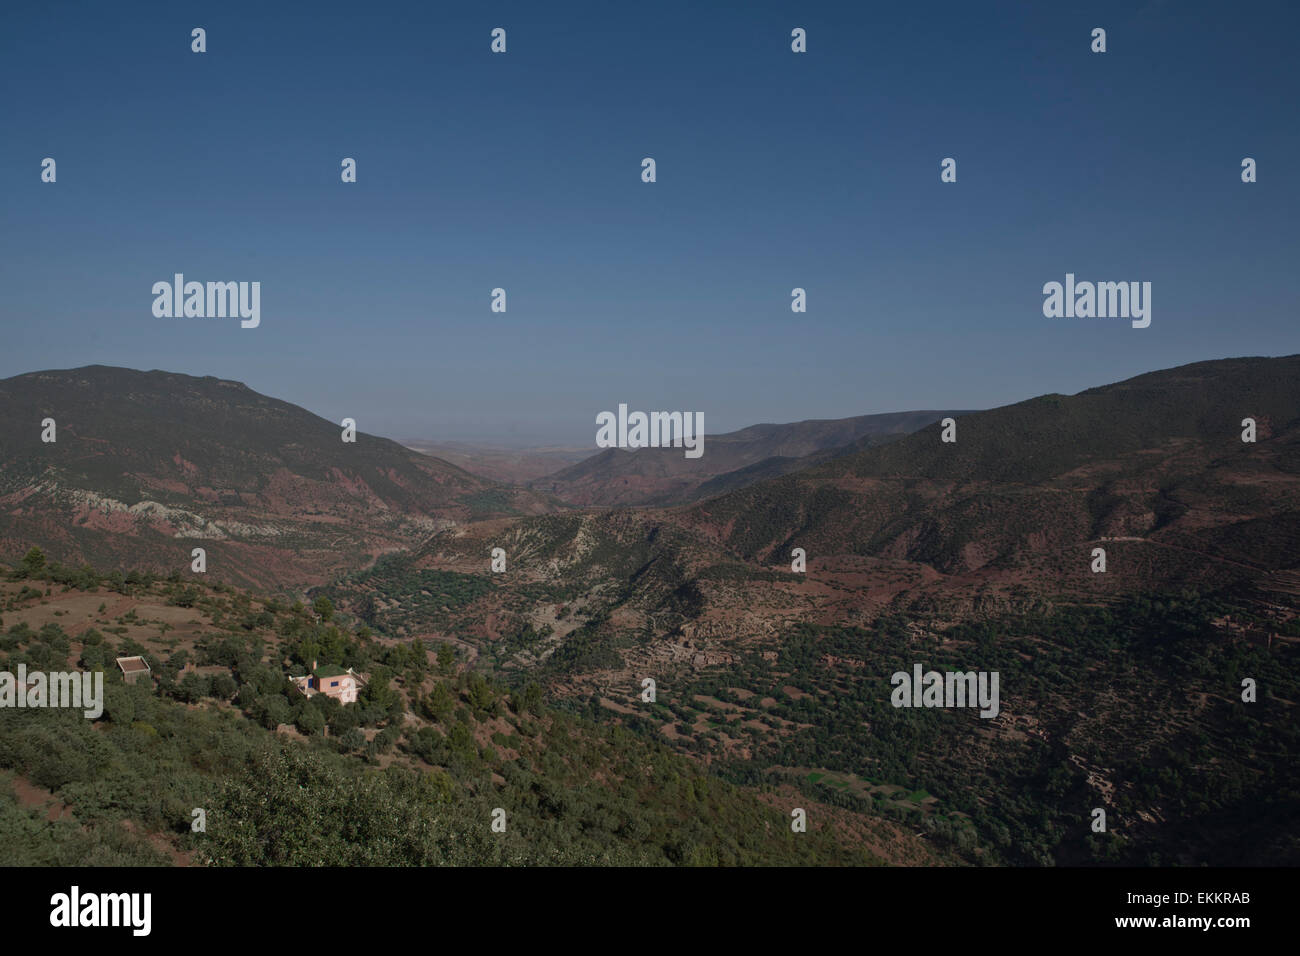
(522, 170)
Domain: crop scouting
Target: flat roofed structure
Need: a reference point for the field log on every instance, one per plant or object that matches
(133, 667)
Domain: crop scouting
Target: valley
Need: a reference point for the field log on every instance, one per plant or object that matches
(508, 688)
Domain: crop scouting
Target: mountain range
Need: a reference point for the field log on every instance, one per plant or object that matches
(616, 477)
(1122, 557)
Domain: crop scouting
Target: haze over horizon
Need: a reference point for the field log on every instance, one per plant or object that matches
(775, 171)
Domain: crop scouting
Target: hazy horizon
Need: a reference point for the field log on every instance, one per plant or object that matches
(775, 171)
(511, 436)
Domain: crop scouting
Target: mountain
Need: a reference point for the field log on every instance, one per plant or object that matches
(1121, 688)
(1153, 471)
(1155, 463)
(148, 465)
(661, 476)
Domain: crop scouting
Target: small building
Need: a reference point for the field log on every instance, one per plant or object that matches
(133, 668)
(332, 681)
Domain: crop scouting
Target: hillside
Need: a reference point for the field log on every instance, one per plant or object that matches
(412, 773)
(616, 477)
(1156, 464)
(148, 465)
(1153, 470)
(522, 688)
(969, 555)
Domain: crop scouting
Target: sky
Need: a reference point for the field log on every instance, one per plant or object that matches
(522, 171)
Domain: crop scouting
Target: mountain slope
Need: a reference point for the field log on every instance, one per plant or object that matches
(411, 773)
(1152, 471)
(147, 465)
(663, 476)
(1158, 458)
(1120, 689)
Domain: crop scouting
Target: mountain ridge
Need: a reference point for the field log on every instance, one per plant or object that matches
(144, 461)
(616, 477)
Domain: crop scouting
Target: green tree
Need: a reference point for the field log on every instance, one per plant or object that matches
(224, 687)
(310, 722)
(33, 563)
(440, 703)
(480, 694)
(324, 608)
(271, 711)
(378, 694)
(530, 700)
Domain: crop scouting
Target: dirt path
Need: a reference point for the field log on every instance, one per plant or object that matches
(30, 795)
(470, 649)
(121, 605)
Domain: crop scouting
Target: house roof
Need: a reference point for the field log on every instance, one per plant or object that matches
(329, 670)
(132, 664)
